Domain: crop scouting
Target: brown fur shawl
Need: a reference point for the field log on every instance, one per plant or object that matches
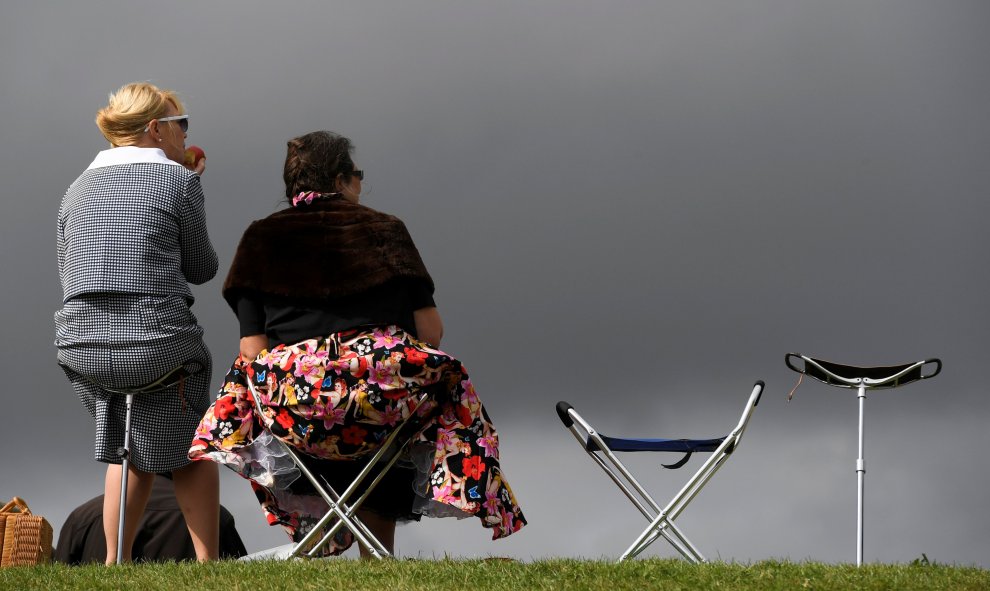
(327, 249)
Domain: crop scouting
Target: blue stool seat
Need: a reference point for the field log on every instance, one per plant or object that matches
(676, 445)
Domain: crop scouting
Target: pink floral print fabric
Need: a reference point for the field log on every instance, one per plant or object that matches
(337, 398)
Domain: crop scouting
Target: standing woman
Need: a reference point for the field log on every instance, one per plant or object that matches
(131, 238)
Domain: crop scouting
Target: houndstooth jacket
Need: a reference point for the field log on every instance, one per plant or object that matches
(134, 222)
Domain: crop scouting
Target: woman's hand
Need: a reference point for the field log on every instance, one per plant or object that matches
(429, 326)
(252, 345)
(195, 159)
(199, 168)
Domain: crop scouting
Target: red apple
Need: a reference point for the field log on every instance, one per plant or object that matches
(193, 155)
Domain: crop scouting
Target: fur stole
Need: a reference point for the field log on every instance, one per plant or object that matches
(327, 249)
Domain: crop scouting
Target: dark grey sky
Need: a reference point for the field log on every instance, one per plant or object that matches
(635, 206)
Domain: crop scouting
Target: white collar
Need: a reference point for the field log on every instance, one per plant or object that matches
(130, 155)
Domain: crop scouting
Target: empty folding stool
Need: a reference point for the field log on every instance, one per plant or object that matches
(863, 379)
(603, 449)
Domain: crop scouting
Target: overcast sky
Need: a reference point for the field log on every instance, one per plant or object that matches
(638, 207)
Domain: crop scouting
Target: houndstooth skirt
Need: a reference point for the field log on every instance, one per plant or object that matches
(123, 340)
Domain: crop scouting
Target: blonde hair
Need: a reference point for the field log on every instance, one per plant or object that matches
(130, 109)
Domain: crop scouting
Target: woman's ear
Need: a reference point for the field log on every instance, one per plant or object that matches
(154, 131)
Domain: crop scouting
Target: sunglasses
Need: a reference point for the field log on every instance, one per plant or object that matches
(182, 119)
(358, 173)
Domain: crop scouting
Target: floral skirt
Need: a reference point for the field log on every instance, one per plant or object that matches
(338, 398)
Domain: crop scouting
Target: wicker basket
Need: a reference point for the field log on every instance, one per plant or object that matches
(25, 538)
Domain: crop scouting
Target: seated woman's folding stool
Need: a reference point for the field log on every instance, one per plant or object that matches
(171, 378)
(863, 379)
(390, 451)
(602, 450)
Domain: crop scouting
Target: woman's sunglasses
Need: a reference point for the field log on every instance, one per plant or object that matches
(182, 119)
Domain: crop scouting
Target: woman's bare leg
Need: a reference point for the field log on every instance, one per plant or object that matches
(138, 490)
(197, 489)
(381, 527)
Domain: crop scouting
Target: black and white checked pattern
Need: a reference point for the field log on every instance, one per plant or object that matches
(130, 239)
(134, 228)
(127, 341)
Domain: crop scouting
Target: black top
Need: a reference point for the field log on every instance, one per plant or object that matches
(290, 320)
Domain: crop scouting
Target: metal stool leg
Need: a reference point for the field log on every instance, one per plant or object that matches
(861, 477)
(124, 453)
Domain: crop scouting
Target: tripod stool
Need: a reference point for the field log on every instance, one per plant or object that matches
(863, 379)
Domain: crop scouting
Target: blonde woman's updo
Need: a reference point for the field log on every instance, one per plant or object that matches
(130, 109)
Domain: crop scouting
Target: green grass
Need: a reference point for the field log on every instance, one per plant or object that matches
(451, 575)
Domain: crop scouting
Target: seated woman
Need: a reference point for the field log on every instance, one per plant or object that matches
(131, 238)
(339, 333)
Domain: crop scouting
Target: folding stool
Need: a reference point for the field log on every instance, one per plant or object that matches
(171, 378)
(863, 379)
(392, 448)
(602, 450)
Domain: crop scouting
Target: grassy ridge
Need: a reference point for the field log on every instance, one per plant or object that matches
(448, 575)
